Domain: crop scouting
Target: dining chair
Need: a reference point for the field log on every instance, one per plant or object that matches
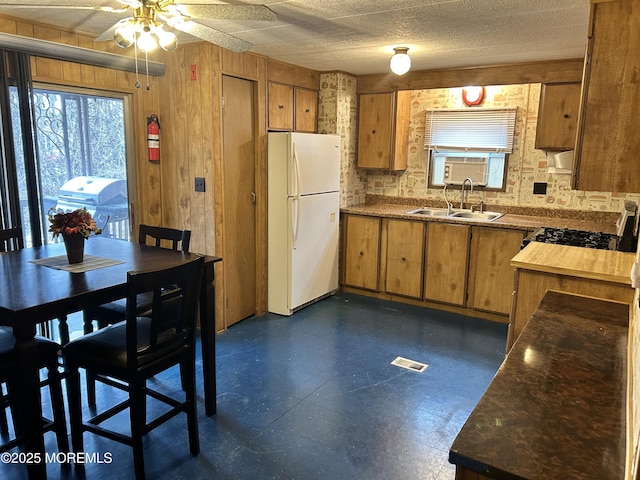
(10, 370)
(124, 355)
(114, 312)
(12, 239)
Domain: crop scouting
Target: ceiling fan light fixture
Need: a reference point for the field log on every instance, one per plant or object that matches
(146, 42)
(124, 36)
(400, 62)
(167, 40)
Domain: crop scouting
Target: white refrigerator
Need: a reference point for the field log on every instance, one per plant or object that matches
(303, 218)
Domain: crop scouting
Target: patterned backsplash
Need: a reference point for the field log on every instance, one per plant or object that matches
(337, 113)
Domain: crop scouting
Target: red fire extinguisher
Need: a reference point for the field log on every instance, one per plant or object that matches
(153, 138)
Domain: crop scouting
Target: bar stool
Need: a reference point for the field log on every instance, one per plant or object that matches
(9, 371)
(126, 354)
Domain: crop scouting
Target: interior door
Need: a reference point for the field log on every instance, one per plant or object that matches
(238, 145)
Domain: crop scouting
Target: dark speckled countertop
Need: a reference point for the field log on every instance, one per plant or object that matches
(556, 409)
(517, 218)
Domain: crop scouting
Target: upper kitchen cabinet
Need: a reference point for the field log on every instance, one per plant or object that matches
(608, 144)
(558, 116)
(306, 110)
(292, 97)
(383, 130)
(280, 106)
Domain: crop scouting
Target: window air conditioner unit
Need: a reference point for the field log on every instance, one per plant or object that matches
(458, 169)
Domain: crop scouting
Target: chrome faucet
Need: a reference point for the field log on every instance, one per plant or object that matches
(462, 192)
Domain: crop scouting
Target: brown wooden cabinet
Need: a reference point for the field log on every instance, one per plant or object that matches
(383, 130)
(403, 257)
(306, 110)
(362, 251)
(292, 108)
(608, 144)
(280, 106)
(447, 258)
(558, 116)
(490, 285)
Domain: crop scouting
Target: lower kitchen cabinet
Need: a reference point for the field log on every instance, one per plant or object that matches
(460, 267)
(362, 251)
(402, 262)
(447, 258)
(490, 274)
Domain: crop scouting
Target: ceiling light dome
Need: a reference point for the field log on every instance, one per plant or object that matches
(400, 62)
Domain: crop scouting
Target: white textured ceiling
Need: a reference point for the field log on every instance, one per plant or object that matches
(358, 36)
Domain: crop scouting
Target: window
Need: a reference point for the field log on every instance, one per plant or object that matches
(78, 133)
(469, 137)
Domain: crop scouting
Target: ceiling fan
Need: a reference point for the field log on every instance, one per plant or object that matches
(144, 27)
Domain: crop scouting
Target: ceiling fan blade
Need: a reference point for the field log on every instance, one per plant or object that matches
(212, 35)
(227, 12)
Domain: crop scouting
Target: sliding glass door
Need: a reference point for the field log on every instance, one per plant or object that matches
(81, 150)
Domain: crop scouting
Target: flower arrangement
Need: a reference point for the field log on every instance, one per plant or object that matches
(79, 221)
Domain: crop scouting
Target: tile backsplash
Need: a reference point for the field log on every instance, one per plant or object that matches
(526, 165)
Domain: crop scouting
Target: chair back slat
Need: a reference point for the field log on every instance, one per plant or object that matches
(11, 239)
(171, 322)
(180, 239)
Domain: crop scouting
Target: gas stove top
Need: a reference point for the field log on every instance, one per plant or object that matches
(576, 238)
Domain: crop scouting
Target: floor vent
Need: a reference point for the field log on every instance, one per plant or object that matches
(409, 364)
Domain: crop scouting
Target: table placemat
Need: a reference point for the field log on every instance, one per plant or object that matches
(90, 262)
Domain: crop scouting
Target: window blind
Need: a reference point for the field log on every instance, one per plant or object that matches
(472, 130)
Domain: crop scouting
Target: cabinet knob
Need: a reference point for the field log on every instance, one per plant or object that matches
(404, 259)
(306, 110)
(373, 131)
(280, 106)
(361, 253)
(566, 115)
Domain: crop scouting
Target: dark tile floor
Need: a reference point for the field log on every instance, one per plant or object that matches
(314, 396)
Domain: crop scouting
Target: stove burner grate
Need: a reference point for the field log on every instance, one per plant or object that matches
(576, 238)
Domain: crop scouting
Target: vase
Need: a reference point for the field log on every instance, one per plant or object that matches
(75, 247)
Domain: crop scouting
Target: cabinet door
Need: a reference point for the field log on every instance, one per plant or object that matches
(383, 130)
(490, 272)
(280, 106)
(375, 114)
(447, 256)
(306, 112)
(608, 145)
(362, 251)
(404, 257)
(558, 116)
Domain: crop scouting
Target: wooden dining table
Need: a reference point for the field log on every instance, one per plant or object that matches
(38, 284)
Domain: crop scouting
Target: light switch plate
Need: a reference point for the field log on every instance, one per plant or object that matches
(200, 184)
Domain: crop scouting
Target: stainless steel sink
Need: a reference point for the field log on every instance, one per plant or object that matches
(429, 211)
(482, 216)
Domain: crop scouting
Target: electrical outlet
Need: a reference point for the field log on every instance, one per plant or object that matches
(539, 188)
(200, 184)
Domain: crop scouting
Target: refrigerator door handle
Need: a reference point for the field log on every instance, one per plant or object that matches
(295, 205)
(296, 176)
(295, 219)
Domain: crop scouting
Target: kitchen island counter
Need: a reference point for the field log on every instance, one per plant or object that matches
(540, 267)
(556, 407)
